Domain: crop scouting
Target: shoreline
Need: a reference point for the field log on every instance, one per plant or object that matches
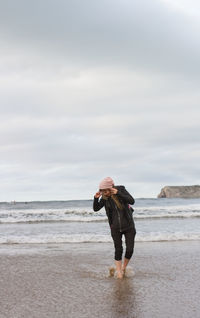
(71, 280)
(58, 246)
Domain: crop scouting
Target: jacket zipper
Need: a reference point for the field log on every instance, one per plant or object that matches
(119, 220)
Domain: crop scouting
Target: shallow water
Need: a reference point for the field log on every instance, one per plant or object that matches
(71, 280)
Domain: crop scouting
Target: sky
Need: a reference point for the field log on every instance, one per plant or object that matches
(90, 89)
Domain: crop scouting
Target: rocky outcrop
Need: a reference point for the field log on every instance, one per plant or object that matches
(180, 192)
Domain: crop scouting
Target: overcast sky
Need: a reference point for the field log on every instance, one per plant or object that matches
(90, 89)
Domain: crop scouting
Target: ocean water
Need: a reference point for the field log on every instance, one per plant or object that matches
(75, 221)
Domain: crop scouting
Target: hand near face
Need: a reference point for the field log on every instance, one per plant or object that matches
(97, 195)
(114, 191)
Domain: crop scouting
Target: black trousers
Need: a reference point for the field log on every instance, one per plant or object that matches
(129, 241)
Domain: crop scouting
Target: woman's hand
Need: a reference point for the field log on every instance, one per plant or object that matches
(97, 195)
(113, 191)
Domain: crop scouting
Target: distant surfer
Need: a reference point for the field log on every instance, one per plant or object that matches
(116, 201)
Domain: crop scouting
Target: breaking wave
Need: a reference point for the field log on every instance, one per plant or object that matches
(83, 215)
(93, 238)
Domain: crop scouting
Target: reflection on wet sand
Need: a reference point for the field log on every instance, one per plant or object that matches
(73, 281)
(123, 302)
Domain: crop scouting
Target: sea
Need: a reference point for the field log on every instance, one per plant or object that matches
(39, 222)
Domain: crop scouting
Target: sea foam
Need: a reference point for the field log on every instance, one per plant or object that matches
(83, 215)
(92, 238)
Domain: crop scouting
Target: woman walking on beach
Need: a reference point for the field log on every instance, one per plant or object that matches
(116, 200)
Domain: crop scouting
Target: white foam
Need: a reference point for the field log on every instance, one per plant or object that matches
(168, 207)
(53, 215)
(168, 211)
(61, 238)
(159, 237)
(168, 214)
(82, 215)
(129, 272)
(94, 238)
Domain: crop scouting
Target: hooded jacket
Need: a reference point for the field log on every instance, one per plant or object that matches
(118, 219)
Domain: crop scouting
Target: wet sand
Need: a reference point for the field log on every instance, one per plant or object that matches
(71, 280)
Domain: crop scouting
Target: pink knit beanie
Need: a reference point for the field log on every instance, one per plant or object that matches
(106, 183)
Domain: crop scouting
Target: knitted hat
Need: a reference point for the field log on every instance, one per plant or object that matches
(106, 183)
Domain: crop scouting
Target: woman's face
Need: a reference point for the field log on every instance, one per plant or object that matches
(106, 192)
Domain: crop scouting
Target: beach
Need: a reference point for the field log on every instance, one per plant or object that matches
(72, 280)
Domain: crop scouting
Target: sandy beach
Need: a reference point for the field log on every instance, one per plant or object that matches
(71, 280)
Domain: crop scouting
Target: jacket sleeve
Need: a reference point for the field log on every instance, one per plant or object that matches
(125, 195)
(98, 204)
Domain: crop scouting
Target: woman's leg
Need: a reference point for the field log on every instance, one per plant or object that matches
(119, 269)
(117, 239)
(130, 241)
(125, 263)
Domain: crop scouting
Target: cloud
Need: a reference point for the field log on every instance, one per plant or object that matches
(140, 34)
(186, 7)
(94, 89)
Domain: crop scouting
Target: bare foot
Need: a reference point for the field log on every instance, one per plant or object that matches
(123, 271)
(112, 271)
(119, 274)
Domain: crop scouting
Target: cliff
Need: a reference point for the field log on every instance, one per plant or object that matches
(180, 192)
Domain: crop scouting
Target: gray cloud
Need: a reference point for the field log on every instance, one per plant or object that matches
(140, 34)
(94, 89)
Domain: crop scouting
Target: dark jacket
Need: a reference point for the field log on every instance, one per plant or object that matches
(120, 219)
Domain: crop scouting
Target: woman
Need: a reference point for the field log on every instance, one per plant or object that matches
(116, 201)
